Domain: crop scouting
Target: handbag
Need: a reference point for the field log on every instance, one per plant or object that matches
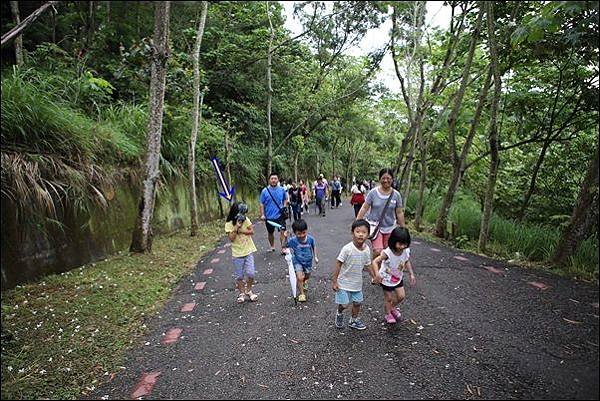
(283, 210)
(374, 231)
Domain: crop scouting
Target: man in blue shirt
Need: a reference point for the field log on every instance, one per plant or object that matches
(272, 199)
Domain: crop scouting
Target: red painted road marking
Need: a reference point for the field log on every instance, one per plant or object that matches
(207, 271)
(435, 249)
(215, 260)
(221, 251)
(200, 286)
(145, 385)
(188, 307)
(172, 335)
(494, 270)
(461, 258)
(538, 285)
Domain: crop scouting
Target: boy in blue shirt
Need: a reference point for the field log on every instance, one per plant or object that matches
(303, 249)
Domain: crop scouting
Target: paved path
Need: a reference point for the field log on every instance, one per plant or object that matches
(470, 332)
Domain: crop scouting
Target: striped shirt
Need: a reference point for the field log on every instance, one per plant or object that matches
(353, 261)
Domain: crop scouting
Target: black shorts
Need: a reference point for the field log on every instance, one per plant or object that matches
(390, 289)
(280, 221)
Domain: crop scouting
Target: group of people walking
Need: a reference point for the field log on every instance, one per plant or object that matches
(379, 218)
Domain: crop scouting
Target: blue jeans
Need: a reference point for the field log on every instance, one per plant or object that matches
(296, 211)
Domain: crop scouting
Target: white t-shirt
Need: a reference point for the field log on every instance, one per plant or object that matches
(353, 261)
(392, 269)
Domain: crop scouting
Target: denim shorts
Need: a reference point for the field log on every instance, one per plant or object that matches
(243, 265)
(298, 268)
(343, 297)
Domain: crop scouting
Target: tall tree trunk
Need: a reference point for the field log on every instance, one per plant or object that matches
(536, 170)
(409, 167)
(440, 226)
(458, 167)
(318, 164)
(333, 157)
(584, 217)
(422, 180)
(14, 9)
(461, 91)
(89, 29)
(137, 18)
(221, 211)
(296, 154)
(488, 203)
(142, 233)
(197, 113)
(53, 15)
(107, 12)
(423, 145)
(192, 167)
(269, 94)
(228, 152)
(349, 165)
(16, 31)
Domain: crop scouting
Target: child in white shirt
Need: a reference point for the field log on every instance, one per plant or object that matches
(388, 270)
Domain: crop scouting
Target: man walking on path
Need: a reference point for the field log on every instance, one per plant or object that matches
(273, 199)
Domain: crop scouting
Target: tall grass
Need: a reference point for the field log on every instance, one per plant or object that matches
(32, 121)
(509, 238)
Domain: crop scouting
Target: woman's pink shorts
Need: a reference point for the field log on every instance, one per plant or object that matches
(381, 241)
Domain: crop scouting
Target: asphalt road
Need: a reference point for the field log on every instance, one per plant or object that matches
(468, 333)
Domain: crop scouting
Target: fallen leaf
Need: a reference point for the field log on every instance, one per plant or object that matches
(572, 321)
(413, 322)
(469, 389)
(262, 385)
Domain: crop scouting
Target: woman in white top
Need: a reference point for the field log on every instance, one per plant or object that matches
(374, 205)
(358, 196)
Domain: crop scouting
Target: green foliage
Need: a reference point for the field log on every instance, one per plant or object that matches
(77, 111)
(509, 238)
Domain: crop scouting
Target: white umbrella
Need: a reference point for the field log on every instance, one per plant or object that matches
(274, 224)
(292, 274)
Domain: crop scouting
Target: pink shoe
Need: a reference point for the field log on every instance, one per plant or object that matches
(389, 318)
(396, 314)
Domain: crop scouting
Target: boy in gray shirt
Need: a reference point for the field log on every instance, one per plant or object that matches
(347, 275)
